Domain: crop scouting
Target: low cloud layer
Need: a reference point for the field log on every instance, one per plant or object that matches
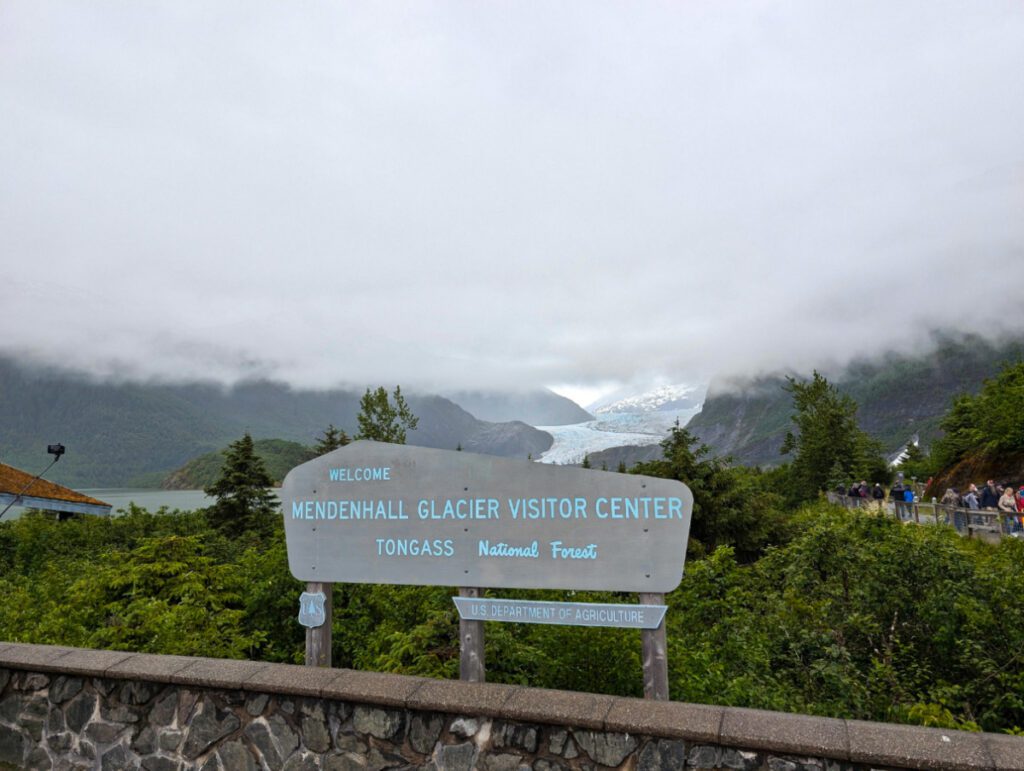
(464, 195)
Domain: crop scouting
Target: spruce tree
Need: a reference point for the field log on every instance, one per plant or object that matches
(720, 514)
(383, 421)
(827, 444)
(245, 503)
(332, 439)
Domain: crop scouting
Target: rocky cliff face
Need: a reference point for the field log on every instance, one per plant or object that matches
(630, 455)
(445, 425)
(978, 468)
(748, 424)
(536, 408)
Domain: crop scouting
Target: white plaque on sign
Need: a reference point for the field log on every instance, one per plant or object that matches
(382, 513)
(561, 613)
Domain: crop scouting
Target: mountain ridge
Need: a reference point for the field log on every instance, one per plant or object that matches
(897, 395)
(126, 433)
(536, 407)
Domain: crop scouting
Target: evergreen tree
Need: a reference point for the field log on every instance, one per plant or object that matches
(990, 423)
(728, 508)
(604, 465)
(999, 410)
(332, 439)
(960, 434)
(586, 461)
(383, 421)
(917, 463)
(828, 444)
(245, 502)
(622, 467)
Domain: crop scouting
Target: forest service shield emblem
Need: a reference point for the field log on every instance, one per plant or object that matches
(311, 609)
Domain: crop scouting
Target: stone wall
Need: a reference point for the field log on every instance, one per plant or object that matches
(67, 708)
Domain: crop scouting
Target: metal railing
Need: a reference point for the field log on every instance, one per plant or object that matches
(988, 524)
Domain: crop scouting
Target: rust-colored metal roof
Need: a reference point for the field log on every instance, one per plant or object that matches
(13, 482)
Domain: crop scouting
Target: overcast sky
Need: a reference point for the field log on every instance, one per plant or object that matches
(473, 193)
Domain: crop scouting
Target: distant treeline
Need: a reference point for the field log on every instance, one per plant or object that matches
(278, 455)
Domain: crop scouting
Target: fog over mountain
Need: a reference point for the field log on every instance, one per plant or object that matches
(463, 196)
(536, 407)
(130, 433)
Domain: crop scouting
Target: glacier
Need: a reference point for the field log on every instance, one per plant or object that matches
(613, 429)
(625, 417)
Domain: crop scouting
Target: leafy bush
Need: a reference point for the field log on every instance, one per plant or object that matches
(848, 614)
(860, 617)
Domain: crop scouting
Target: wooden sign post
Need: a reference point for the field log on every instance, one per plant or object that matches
(471, 644)
(655, 653)
(318, 637)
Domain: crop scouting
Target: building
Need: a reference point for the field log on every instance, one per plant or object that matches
(22, 489)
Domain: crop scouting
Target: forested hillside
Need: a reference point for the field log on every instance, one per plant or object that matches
(898, 396)
(120, 434)
(983, 436)
(279, 457)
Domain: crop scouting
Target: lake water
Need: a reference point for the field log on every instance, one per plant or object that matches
(120, 497)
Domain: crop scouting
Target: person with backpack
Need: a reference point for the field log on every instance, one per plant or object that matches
(896, 496)
(989, 496)
(877, 497)
(853, 496)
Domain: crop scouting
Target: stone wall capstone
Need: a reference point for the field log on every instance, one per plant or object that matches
(66, 708)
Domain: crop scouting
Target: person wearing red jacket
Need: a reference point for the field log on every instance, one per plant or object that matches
(1018, 525)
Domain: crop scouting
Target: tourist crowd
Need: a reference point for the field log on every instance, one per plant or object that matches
(1006, 499)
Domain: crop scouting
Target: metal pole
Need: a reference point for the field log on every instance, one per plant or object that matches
(318, 638)
(32, 481)
(471, 644)
(655, 653)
